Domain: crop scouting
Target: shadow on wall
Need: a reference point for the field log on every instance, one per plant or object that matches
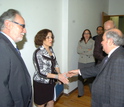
(72, 79)
(21, 43)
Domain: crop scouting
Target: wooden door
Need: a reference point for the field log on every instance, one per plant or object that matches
(105, 17)
(120, 23)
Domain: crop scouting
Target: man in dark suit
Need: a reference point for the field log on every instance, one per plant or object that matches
(108, 86)
(98, 53)
(15, 82)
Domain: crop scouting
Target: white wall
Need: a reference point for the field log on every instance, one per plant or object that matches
(83, 14)
(67, 19)
(116, 7)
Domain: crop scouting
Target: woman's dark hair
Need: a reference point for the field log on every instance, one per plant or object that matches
(41, 36)
(83, 38)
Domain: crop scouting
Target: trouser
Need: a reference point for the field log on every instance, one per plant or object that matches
(81, 80)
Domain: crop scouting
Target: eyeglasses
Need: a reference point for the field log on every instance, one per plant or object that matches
(23, 25)
(86, 33)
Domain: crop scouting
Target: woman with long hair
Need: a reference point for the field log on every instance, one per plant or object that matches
(85, 50)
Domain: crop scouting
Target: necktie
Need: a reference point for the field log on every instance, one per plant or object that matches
(18, 51)
(106, 59)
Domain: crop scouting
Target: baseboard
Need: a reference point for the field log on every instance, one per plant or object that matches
(70, 92)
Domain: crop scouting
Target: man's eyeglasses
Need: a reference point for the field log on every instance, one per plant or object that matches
(23, 25)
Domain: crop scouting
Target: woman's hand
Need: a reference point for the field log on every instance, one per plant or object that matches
(62, 77)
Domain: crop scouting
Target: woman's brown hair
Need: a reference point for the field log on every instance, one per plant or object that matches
(41, 36)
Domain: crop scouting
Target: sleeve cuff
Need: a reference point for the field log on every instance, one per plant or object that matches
(79, 72)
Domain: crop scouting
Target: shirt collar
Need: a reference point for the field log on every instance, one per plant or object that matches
(112, 51)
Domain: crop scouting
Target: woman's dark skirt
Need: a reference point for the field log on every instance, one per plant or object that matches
(43, 93)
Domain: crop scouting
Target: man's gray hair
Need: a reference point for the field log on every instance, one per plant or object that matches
(118, 40)
(8, 15)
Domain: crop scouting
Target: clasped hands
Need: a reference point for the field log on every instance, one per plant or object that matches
(64, 76)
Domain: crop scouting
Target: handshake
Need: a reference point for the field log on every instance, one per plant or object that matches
(64, 76)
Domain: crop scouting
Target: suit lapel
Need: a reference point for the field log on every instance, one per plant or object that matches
(103, 65)
(12, 48)
(114, 54)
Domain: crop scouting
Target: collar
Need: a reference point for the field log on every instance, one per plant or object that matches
(112, 51)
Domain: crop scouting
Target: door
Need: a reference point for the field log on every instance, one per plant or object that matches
(105, 17)
(118, 20)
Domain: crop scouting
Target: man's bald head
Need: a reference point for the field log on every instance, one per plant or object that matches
(109, 25)
(111, 39)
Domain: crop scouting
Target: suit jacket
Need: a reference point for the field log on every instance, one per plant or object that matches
(94, 37)
(99, 54)
(15, 82)
(108, 87)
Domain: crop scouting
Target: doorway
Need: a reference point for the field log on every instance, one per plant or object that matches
(118, 20)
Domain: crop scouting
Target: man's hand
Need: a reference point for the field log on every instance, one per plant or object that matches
(72, 73)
